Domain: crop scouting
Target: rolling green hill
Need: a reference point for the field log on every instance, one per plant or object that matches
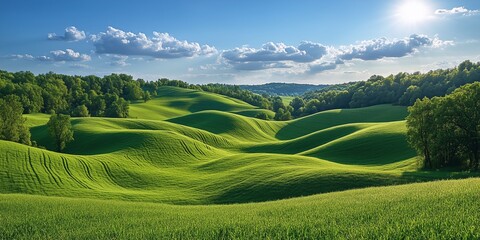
(174, 101)
(205, 152)
(188, 147)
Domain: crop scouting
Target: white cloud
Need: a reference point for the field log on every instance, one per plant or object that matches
(317, 68)
(273, 55)
(312, 58)
(457, 11)
(161, 45)
(382, 47)
(56, 56)
(68, 56)
(71, 34)
(21, 56)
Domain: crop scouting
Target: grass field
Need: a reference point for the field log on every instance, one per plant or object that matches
(187, 147)
(435, 210)
(287, 99)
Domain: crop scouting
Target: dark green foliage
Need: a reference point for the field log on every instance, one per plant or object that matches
(282, 89)
(420, 130)
(262, 115)
(298, 106)
(132, 91)
(116, 107)
(445, 131)
(79, 96)
(100, 96)
(146, 96)
(80, 111)
(403, 88)
(60, 129)
(311, 106)
(62, 93)
(277, 103)
(284, 114)
(12, 124)
(97, 105)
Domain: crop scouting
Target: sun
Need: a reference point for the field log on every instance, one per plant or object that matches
(412, 12)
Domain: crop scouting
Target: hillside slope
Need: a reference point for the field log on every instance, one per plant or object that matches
(191, 147)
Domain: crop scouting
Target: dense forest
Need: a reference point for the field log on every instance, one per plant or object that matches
(283, 89)
(73, 95)
(402, 88)
(109, 96)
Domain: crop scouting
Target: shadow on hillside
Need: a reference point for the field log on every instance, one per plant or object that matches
(86, 143)
(330, 118)
(261, 192)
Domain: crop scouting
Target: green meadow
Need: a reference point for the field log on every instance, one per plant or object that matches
(191, 164)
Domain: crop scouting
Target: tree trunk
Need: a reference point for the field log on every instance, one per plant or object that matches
(475, 155)
(59, 146)
(428, 161)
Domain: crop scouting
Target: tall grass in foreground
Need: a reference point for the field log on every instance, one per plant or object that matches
(434, 210)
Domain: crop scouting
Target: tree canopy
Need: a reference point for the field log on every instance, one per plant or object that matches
(12, 123)
(109, 96)
(60, 129)
(446, 130)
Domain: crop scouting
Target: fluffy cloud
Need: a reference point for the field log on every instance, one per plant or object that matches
(382, 47)
(161, 45)
(323, 66)
(313, 58)
(273, 55)
(56, 56)
(457, 10)
(65, 56)
(71, 34)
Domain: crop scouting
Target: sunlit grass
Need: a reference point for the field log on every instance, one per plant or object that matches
(435, 210)
(187, 147)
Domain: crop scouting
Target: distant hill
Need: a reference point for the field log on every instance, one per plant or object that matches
(283, 89)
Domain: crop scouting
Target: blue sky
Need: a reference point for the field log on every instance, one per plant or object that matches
(240, 42)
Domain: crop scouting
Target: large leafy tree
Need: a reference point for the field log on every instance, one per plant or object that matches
(420, 129)
(446, 130)
(298, 106)
(464, 114)
(61, 130)
(12, 123)
(117, 109)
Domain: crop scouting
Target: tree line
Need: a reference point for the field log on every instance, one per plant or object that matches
(109, 96)
(401, 89)
(13, 125)
(445, 131)
(282, 89)
(79, 96)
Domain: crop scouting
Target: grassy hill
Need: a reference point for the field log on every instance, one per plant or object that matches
(173, 102)
(206, 152)
(435, 210)
(188, 147)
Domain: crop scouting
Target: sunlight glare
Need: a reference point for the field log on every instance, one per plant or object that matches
(412, 12)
